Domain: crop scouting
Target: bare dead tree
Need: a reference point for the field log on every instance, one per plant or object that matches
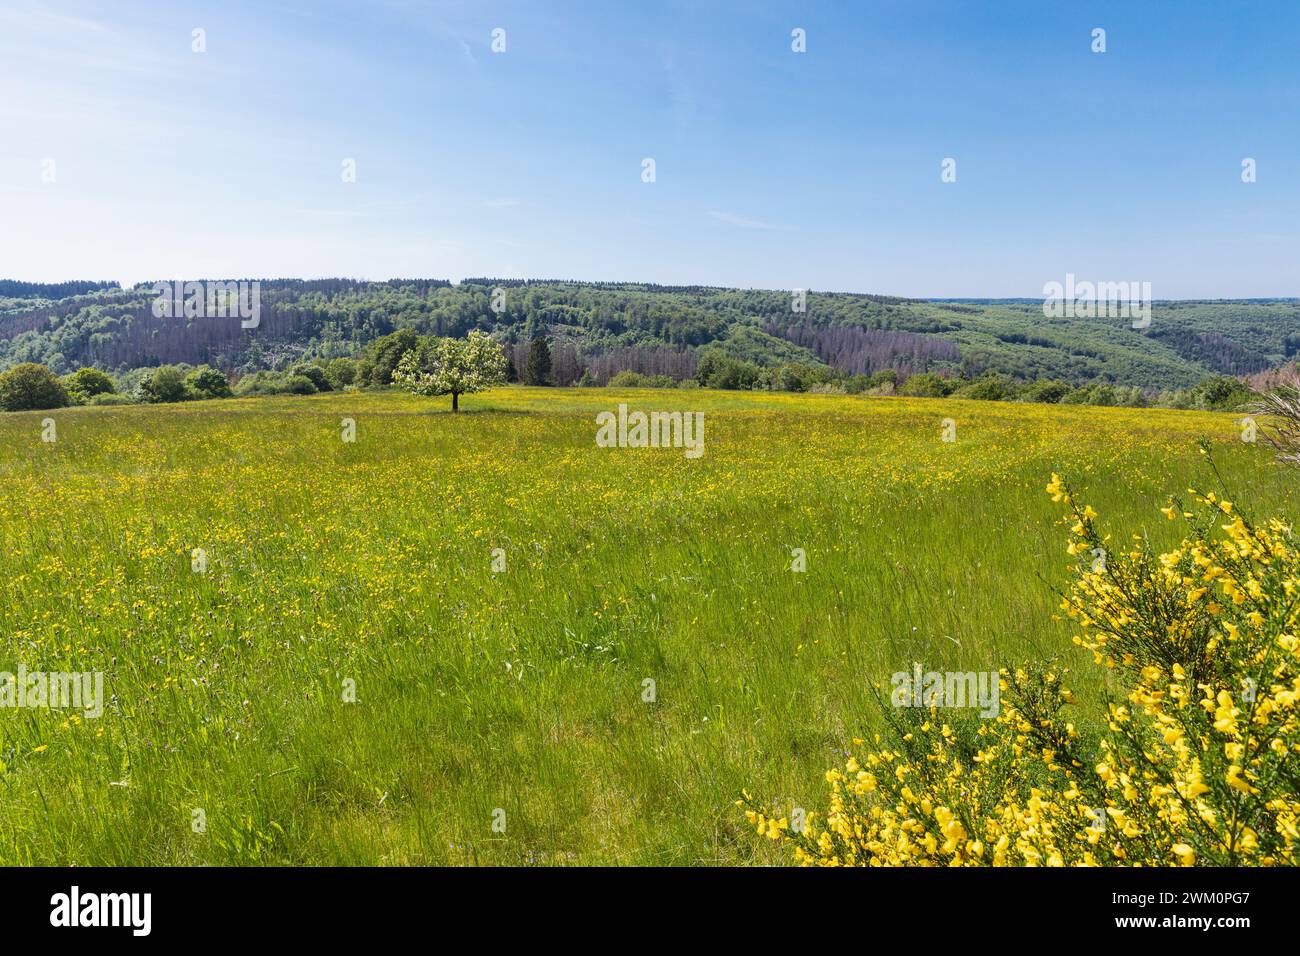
(1280, 406)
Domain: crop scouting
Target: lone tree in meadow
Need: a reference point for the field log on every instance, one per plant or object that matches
(538, 369)
(452, 366)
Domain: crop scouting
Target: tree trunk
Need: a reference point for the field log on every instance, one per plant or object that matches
(455, 401)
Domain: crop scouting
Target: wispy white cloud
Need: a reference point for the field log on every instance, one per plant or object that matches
(444, 22)
(741, 222)
(37, 17)
(469, 54)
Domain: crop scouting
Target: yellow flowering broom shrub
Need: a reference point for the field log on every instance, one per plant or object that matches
(1199, 763)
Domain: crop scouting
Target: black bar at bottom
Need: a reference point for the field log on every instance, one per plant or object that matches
(332, 906)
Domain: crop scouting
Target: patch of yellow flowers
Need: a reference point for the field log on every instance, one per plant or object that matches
(1199, 763)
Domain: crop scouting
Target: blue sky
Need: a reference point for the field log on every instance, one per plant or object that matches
(773, 169)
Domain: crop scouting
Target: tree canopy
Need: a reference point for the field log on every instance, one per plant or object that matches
(454, 367)
(30, 387)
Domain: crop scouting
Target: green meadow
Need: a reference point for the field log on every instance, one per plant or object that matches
(482, 639)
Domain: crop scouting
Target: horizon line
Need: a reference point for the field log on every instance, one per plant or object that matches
(480, 280)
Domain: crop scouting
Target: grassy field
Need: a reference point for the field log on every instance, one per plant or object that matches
(521, 690)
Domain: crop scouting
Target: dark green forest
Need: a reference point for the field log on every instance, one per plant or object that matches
(597, 330)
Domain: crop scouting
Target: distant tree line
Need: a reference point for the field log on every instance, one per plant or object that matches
(422, 363)
(597, 330)
(13, 289)
(29, 386)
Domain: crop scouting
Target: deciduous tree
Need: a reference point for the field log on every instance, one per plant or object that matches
(452, 367)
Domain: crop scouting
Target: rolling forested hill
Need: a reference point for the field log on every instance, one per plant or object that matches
(606, 327)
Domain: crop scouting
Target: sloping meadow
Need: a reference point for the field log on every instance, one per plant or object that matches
(355, 628)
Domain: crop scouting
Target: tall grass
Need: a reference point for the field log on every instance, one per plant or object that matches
(522, 691)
